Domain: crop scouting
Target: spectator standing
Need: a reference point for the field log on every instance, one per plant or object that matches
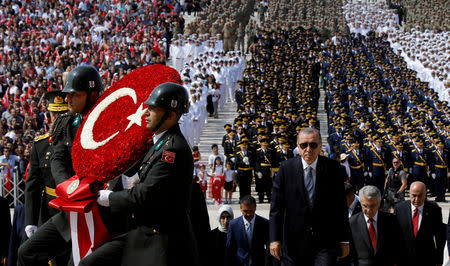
(218, 236)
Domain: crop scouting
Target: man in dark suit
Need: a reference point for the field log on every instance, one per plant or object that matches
(308, 211)
(376, 235)
(421, 223)
(160, 202)
(354, 206)
(247, 237)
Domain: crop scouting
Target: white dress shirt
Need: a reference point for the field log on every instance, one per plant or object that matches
(314, 168)
(375, 222)
(156, 137)
(420, 214)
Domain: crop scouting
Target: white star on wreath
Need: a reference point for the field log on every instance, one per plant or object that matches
(136, 118)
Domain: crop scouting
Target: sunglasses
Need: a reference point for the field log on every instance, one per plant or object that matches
(395, 162)
(312, 145)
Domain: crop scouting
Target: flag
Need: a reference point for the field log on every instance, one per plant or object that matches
(170, 6)
(26, 172)
(28, 20)
(156, 48)
(85, 58)
(8, 184)
(5, 100)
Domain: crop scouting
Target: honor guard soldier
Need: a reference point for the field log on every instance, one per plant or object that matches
(244, 162)
(263, 181)
(40, 185)
(226, 136)
(439, 171)
(83, 87)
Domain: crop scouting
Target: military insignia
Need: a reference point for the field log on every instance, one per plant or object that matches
(73, 186)
(159, 145)
(173, 103)
(76, 121)
(168, 157)
(58, 100)
(91, 84)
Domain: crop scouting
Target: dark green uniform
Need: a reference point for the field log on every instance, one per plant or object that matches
(40, 185)
(160, 206)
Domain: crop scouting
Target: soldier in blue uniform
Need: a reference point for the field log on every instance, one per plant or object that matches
(439, 171)
(419, 163)
(356, 161)
(264, 158)
(377, 165)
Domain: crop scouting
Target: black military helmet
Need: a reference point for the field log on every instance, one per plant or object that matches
(169, 96)
(83, 78)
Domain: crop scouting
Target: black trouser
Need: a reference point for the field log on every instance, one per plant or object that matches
(245, 180)
(440, 185)
(46, 244)
(109, 253)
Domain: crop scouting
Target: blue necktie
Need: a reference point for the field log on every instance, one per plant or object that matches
(249, 233)
(309, 183)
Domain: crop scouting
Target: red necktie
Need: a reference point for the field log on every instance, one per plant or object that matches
(416, 221)
(372, 234)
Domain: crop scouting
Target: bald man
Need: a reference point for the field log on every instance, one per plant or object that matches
(423, 231)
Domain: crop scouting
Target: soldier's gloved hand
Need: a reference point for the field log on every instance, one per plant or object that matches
(30, 230)
(366, 173)
(433, 175)
(410, 170)
(448, 174)
(370, 174)
(259, 174)
(233, 159)
(103, 197)
(245, 160)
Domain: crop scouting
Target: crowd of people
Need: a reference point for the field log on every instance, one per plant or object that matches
(431, 15)
(324, 16)
(264, 132)
(227, 18)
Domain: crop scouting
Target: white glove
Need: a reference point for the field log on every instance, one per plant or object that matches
(132, 181)
(245, 160)
(366, 173)
(433, 175)
(370, 174)
(103, 198)
(448, 174)
(259, 174)
(233, 159)
(30, 230)
(410, 170)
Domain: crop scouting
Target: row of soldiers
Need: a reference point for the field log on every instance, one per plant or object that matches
(277, 97)
(228, 18)
(377, 106)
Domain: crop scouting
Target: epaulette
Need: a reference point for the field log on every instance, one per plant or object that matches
(38, 138)
(258, 149)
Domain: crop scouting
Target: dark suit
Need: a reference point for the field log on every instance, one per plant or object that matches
(389, 247)
(302, 230)
(5, 227)
(160, 204)
(238, 251)
(427, 247)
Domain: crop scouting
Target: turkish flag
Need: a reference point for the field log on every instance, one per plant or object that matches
(5, 100)
(8, 184)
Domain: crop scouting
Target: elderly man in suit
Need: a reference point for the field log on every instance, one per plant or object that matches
(421, 223)
(247, 237)
(308, 211)
(377, 238)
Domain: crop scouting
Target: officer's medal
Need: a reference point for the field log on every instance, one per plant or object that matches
(73, 186)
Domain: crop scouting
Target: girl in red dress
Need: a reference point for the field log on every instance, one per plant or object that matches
(217, 179)
(202, 179)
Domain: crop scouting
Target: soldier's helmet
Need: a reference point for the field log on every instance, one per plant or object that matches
(83, 78)
(170, 96)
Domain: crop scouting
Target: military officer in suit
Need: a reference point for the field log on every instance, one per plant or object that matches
(83, 88)
(40, 185)
(160, 202)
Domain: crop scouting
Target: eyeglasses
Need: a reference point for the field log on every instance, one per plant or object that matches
(395, 162)
(312, 145)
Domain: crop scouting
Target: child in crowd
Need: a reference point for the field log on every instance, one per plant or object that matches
(202, 179)
(229, 182)
(217, 178)
(197, 157)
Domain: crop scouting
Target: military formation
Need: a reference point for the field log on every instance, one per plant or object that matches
(424, 50)
(227, 18)
(378, 110)
(277, 97)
